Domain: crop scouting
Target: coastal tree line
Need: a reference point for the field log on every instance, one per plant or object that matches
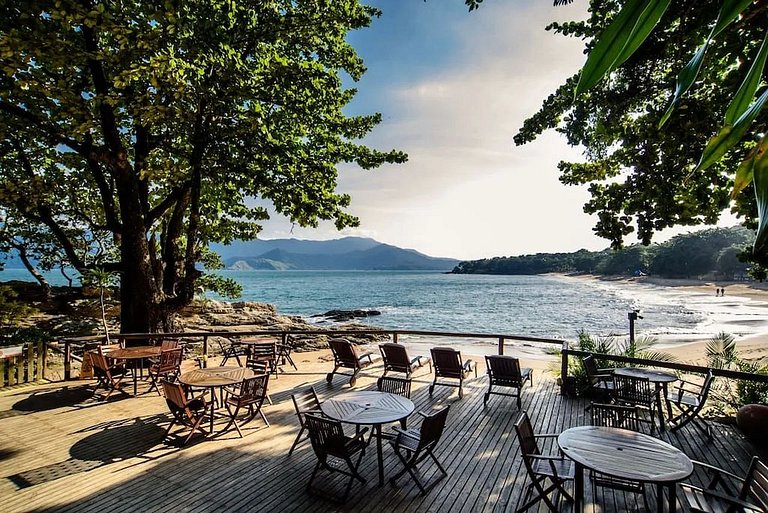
(715, 252)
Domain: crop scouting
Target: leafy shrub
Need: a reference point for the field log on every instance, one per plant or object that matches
(730, 395)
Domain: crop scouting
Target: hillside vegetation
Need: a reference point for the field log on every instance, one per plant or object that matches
(707, 253)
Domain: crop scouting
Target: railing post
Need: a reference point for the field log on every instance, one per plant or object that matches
(43, 360)
(205, 351)
(563, 367)
(501, 345)
(394, 338)
(67, 361)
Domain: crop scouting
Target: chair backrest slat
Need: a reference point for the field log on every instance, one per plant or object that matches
(432, 428)
(614, 415)
(755, 489)
(632, 389)
(305, 401)
(525, 435)
(254, 389)
(392, 385)
(326, 435)
(395, 356)
(100, 362)
(503, 369)
(174, 395)
(262, 349)
(344, 352)
(169, 343)
(170, 359)
(590, 367)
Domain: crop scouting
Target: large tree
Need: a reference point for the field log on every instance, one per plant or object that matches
(152, 125)
(642, 177)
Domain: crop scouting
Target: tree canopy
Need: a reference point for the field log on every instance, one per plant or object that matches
(643, 178)
(134, 133)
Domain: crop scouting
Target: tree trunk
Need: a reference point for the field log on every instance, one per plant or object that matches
(32, 270)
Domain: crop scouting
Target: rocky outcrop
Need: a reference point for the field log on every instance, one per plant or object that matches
(346, 315)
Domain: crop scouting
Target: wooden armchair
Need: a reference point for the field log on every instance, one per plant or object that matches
(345, 355)
(412, 446)
(636, 392)
(329, 441)
(729, 493)
(251, 395)
(284, 353)
(109, 376)
(167, 367)
(396, 359)
(234, 350)
(263, 352)
(448, 364)
(186, 412)
(305, 403)
(505, 371)
(600, 380)
(392, 385)
(688, 399)
(547, 473)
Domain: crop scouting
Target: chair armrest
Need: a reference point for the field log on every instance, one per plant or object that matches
(747, 507)
(709, 467)
(404, 433)
(545, 435)
(359, 435)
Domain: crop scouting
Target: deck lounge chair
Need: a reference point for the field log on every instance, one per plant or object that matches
(329, 441)
(547, 473)
(345, 356)
(448, 364)
(505, 371)
(726, 492)
(414, 446)
(396, 359)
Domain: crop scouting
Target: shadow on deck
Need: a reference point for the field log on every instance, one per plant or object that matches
(109, 456)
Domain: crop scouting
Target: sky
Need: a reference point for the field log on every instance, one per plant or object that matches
(453, 88)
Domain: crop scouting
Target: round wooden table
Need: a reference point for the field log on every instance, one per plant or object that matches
(369, 409)
(215, 377)
(660, 380)
(627, 455)
(136, 354)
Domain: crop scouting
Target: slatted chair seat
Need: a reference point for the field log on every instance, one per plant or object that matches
(688, 399)
(548, 474)
(414, 446)
(346, 356)
(448, 364)
(505, 371)
(396, 359)
(329, 441)
(728, 493)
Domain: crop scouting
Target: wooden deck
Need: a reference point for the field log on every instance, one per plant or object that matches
(60, 450)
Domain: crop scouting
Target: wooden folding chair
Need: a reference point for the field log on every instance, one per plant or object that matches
(688, 399)
(505, 371)
(600, 380)
(412, 446)
(728, 493)
(392, 385)
(633, 391)
(396, 359)
(547, 473)
(345, 355)
(167, 367)
(448, 364)
(233, 350)
(108, 376)
(305, 403)
(328, 440)
(265, 352)
(251, 395)
(188, 413)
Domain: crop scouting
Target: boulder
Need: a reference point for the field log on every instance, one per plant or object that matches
(752, 419)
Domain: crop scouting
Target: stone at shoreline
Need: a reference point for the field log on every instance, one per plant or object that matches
(347, 315)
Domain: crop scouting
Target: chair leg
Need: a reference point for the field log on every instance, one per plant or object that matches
(233, 420)
(296, 441)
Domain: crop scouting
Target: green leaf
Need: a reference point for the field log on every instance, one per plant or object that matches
(620, 39)
(730, 135)
(686, 78)
(761, 195)
(745, 171)
(728, 12)
(747, 90)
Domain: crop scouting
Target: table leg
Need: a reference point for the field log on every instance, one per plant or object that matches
(578, 492)
(135, 388)
(659, 390)
(213, 405)
(377, 427)
(673, 498)
(660, 498)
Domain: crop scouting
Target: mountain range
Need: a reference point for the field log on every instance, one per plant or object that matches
(348, 253)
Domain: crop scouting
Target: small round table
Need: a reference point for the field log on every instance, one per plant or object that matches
(369, 409)
(660, 379)
(215, 377)
(628, 455)
(137, 354)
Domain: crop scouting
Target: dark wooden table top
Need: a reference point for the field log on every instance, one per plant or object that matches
(136, 352)
(625, 454)
(216, 376)
(367, 408)
(654, 376)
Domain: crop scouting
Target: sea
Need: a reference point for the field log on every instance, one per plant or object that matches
(552, 306)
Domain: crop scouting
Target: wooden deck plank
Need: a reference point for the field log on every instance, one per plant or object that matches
(90, 457)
